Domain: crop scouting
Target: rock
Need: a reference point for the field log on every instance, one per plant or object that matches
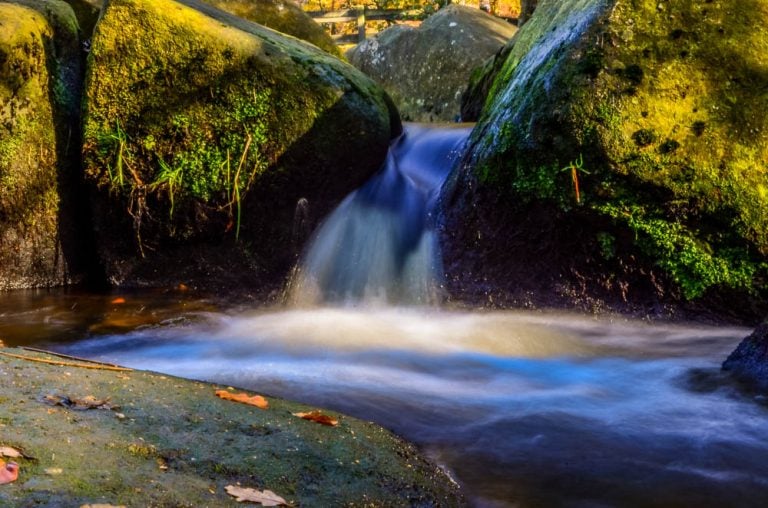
(40, 84)
(749, 361)
(180, 445)
(87, 12)
(283, 16)
(526, 11)
(620, 157)
(425, 70)
(203, 134)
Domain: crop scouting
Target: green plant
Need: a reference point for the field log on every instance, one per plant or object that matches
(117, 141)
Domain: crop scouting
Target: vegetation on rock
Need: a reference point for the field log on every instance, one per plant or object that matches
(209, 129)
(40, 83)
(663, 103)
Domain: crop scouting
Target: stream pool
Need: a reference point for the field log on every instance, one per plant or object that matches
(523, 408)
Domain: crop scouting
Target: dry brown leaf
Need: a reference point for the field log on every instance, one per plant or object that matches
(253, 400)
(264, 497)
(7, 451)
(318, 417)
(8, 472)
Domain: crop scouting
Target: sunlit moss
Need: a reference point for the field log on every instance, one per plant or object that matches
(666, 101)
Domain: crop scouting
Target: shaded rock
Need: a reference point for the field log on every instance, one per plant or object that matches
(40, 85)
(526, 10)
(480, 82)
(749, 361)
(280, 15)
(425, 70)
(203, 134)
(619, 158)
(87, 13)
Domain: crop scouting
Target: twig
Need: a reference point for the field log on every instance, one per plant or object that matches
(66, 364)
(68, 357)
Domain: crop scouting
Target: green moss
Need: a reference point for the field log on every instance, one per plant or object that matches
(666, 103)
(691, 261)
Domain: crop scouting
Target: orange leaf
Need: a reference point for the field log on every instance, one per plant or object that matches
(118, 300)
(253, 400)
(318, 417)
(8, 472)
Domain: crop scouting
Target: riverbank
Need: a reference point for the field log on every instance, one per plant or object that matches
(157, 440)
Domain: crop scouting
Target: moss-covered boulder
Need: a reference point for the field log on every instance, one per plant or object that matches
(283, 16)
(206, 133)
(425, 70)
(40, 83)
(622, 151)
(749, 361)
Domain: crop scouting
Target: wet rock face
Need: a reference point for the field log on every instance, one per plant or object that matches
(203, 134)
(426, 70)
(39, 102)
(280, 15)
(637, 125)
(749, 361)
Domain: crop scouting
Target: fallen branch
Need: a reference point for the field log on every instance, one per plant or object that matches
(67, 364)
(68, 357)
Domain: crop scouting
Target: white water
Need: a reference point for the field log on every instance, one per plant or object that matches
(379, 245)
(525, 409)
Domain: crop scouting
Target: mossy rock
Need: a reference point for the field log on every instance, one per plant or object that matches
(165, 441)
(283, 16)
(206, 132)
(40, 84)
(640, 125)
(425, 70)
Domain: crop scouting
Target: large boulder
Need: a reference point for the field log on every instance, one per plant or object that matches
(749, 361)
(621, 157)
(425, 70)
(282, 15)
(206, 135)
(40, 83)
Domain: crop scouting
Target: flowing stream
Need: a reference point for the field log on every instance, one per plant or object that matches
(522, 408)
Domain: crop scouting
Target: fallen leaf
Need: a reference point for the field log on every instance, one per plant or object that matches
(253, 400)
(118, 300)
(264, 497)
(318, 417)
(87, 402)
(7, 451)
(8, 472)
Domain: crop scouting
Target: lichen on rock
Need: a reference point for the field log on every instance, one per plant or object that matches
(642, 122)
(40, 83)
(208, 129)
(425, 70)
(280, 15)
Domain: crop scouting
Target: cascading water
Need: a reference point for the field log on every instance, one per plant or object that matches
(379, 245)
(525, 408)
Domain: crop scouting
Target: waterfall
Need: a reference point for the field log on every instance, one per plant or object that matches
(379, 245)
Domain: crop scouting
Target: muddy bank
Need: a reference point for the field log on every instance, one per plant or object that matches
(165, 441)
